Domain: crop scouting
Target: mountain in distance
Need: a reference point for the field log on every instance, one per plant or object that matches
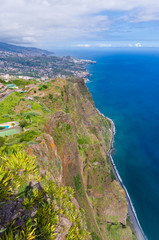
(24, 50)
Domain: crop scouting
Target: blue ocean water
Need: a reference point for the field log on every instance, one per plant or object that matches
(125, 87)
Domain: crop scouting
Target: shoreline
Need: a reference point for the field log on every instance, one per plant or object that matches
(131, 211)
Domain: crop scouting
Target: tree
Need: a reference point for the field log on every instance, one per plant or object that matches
(23, 123)
(13, 124)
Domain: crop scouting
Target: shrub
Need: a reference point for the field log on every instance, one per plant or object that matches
(44, 108)
(36, 201)
(23, 123)
(2, 141)
(50, 96)
(6, 116)
(67, 109)
(31, 114)
(83, 140)
(112, 175)
(28, 136)
(77, 181)
(43, 87)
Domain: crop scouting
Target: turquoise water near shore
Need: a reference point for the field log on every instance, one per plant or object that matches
(125, 87)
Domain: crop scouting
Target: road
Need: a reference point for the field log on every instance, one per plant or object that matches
(6, 96)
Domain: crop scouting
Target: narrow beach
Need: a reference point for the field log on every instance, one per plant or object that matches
(131, 211)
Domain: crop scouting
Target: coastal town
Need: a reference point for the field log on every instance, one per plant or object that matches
(14, 80)
(16, 67)
(8, 85)
(41, 66)
(28, 71)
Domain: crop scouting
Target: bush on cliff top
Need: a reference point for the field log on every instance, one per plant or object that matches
(32, 205)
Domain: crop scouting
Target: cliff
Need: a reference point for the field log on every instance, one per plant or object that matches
(69, 150)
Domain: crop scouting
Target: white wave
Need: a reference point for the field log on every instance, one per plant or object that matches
(141, 236)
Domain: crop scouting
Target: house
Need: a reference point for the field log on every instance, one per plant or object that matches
(1, 86)
(6, 77)
(25, 77)
(30, 98)
(23, 91)
(45, 78)
(30, 86)
(29, 106)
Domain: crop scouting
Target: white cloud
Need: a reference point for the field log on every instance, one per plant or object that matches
(47, 21)
(104, 45)
(83, 45)
(100, 45)
(138, 45)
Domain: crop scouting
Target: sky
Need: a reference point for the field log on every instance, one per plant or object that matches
(80, 23)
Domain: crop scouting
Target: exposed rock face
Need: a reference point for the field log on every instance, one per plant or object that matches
(48, 157)
(79, 138)
(63, 228)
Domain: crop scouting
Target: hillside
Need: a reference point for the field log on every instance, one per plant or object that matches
(24, 50)
(56, 178)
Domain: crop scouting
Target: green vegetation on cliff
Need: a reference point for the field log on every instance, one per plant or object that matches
(56, 181)
(33, 205)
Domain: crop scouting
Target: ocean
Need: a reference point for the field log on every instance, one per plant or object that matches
(125, 87)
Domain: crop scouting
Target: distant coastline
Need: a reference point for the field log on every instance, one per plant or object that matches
(131, 211)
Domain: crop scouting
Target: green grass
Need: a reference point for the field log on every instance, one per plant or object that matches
(36, 106)
(83, 140)
(112, 175)
(9, 132)
(22, 82)
(28, 136)
(95, 236)
(32, 114)
(8, 104)
(45, 86)
(113, 231)
(77, 181)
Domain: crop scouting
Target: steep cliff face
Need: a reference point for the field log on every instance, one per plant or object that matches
(80, 138)
(69, 142)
